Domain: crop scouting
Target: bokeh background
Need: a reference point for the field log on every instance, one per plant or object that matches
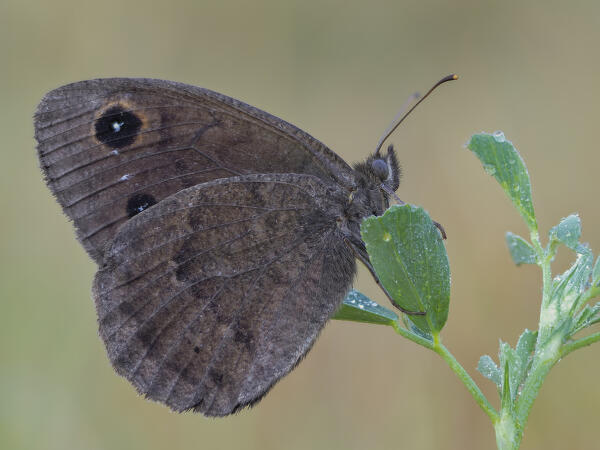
(339, 70)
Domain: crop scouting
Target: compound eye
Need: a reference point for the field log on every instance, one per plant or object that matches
(380, 168)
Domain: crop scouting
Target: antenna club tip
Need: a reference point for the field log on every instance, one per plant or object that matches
(450, 77)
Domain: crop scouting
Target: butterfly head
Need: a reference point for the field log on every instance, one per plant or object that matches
(379, 174)
(386, 168)
(381, 169)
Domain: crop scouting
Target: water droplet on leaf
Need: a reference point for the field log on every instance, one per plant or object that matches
(499, 136)
(489, 169)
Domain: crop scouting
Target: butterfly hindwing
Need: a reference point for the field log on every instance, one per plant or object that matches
(111, 148)
(214, 294)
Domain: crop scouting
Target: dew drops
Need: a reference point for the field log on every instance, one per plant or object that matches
(489, 169)
(499, 136)
(387, 236)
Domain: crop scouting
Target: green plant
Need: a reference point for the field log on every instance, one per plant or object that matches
(410, 259)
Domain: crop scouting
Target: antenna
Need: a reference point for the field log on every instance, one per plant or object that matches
(403, 115)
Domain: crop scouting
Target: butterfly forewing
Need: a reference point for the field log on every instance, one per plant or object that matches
(208, 298)
(112, 148)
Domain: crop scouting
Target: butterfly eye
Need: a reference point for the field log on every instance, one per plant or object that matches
(380, 168)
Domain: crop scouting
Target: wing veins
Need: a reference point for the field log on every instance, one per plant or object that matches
(195, 255)
(183, 236)
(89, 122)
(236, 317)
(122, 163)
(101, 227)
(291, 284)
(130, 176)
(187, 235)
(163, 328)
(115, 139)
(165, 304)
(232, 180)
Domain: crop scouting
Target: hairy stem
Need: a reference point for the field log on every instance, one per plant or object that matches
(547, 350)
(471, 386)
(459, 370)
(398, 328)
(579, 343)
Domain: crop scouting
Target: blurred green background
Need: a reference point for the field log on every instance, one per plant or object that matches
(338, 70)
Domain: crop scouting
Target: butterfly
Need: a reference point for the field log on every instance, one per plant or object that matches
(225, 237)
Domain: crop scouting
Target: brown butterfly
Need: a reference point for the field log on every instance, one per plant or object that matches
(225, 237)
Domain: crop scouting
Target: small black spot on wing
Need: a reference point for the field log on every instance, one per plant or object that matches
(138, 203)
(126, 308)
(245, 338)
(216, 376)
(117, 127)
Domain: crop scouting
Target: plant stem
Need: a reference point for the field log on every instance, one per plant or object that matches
(532, 385)
(547, 349)
(574, 345)
(544, 263)
(508, 432)
(459, 370)
(471, 386)
(398, 328)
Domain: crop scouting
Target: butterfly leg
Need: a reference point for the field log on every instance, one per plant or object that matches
(360, 252)
(441, 228)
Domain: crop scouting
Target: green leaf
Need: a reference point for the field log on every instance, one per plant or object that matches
(595, 317)
(359, 308)
(520, 250)
(506, 397)
(517, 361)
(488, 368)
(501, 160)
(523, 353)
(409, 257)
(525, 345)
(596, 273)
(508, 360)
(569, 287)
(568, 231)
(589, 315)
(414, 329)
(582, 318)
